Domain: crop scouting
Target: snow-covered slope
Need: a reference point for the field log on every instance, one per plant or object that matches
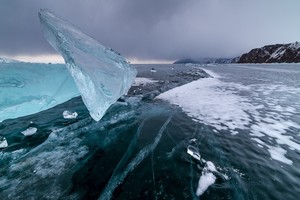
(277, 53)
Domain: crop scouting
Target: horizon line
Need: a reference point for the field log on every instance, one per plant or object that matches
(58, 59)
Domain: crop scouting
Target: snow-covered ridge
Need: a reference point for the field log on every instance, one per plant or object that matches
(5, 60)
(277, 53)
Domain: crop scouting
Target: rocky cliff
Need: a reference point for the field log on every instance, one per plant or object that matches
(277, 53)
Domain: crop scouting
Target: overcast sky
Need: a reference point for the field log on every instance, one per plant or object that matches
(155, 29)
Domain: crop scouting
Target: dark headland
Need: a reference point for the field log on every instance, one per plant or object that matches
(276, 53)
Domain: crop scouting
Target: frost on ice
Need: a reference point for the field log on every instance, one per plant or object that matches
(101, 74)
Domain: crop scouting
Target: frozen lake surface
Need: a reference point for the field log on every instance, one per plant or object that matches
(234, 135)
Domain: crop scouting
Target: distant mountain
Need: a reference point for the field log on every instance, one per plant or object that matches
(277, 53)
(5, 60)
(205, 61)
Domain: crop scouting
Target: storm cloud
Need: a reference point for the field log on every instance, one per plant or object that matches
(156, 29)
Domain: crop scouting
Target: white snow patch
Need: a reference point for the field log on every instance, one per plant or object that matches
(265, 111)
(278, 53)
(295, 45)
(278, 153)
(69, 115)
(212, 102)
(29, 131)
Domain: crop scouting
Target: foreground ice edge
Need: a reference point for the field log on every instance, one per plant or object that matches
(101, 75)
(28, 88)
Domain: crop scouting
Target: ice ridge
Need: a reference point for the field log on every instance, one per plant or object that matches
(101, 74)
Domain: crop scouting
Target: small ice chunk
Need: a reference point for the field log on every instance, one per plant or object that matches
(143, 81)
(3, 142)
(69, 115)
(193, 140)
(29, 131)
(207, 178)
(193, 151)
(153, 70)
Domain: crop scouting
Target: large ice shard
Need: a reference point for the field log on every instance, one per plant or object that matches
(101, 74)
(27, 88)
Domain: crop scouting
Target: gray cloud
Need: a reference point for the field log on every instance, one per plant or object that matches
(156, 29)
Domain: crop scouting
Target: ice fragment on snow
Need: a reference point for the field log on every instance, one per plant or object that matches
(69, 115)
(101, 74)
(29, 131)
